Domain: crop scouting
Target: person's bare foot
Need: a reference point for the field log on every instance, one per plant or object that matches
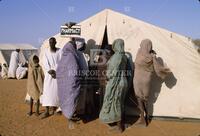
(72, 124)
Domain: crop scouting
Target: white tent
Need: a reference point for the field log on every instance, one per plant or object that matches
(6, 50)
(178, 95)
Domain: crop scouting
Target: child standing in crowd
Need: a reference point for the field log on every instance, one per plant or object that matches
(35, 83)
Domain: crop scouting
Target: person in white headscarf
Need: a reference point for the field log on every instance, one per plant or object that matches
(14, 60)
(21, 71)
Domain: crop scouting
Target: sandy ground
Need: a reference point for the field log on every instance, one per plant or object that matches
(14, 122)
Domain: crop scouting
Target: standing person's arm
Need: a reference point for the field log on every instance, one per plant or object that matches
(42, 74)
(47, 66)
(42, 78)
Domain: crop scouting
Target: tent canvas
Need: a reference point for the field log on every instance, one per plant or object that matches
(6, 50)
(178, 95)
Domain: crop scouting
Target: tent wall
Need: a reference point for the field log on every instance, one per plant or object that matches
(6, 50)
(2, 58)
(7, 53)
(28, 53)
(178, 95)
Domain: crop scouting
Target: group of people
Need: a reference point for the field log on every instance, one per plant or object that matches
(17, 67)
(65, 84)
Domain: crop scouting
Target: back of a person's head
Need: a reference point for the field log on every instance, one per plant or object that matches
(17, 50)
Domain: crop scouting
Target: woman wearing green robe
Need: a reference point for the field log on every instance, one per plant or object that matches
(113, 103)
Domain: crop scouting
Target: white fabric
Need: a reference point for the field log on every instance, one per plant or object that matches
(21, 72)
(181, 100)
(14, 60)
(58, 110)
(28, 98)
(2, 58)
(22, 59)
(50, 96)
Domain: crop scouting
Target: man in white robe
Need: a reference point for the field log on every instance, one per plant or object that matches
(14, 60)
(50, 60)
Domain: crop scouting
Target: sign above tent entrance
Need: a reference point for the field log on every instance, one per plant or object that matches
(70, 29)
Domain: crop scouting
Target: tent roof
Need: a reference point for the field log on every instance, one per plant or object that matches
(7, 46)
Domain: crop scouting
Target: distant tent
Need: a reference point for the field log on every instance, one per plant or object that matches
(6, 50)
(179, 94)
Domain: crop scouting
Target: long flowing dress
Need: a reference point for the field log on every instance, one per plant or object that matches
(14, 60)
(50, 91)
(113, 104)
(35, 80)
(68, 80)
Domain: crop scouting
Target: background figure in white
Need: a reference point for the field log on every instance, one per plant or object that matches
(21, 71)
(14, 60)
(50, 60)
